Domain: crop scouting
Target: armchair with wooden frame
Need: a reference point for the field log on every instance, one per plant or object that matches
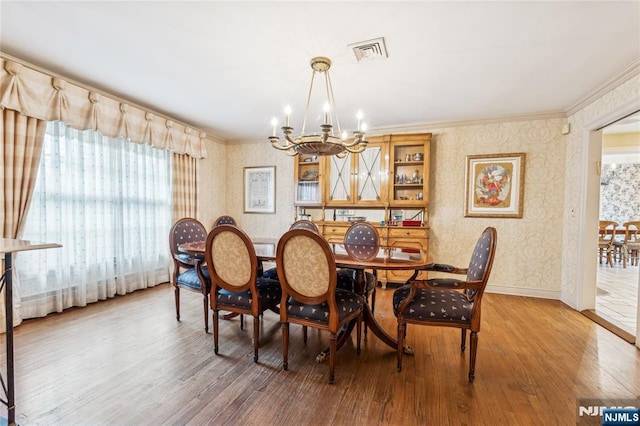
(448, 302)
(184, 275)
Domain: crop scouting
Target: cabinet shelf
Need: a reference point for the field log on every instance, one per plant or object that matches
(408, 163)
(408, 185)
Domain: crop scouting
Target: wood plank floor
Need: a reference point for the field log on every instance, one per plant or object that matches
(128, 361)
(617, 295)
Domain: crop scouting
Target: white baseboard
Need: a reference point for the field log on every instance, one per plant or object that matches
(524, 291)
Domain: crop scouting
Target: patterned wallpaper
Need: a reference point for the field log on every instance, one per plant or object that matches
(620, 193)
(523, 244)
(535, 255)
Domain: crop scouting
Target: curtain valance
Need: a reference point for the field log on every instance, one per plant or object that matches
(36, 94)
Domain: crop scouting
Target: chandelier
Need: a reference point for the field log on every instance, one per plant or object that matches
(329, 141)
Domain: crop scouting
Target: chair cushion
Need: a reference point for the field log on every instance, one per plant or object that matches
(271, 274)
(347, 301)
(269, 290)
(347, 280)
(189, 279)
(434, 305)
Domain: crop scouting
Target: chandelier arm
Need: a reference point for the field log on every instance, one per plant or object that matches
(291, 141)
(356, 141)
(276, 145)
(357, 150)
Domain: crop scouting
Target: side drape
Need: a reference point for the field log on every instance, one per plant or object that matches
(184, 187)
(20, 153)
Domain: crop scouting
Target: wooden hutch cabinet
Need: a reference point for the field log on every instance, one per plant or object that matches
(391, 177)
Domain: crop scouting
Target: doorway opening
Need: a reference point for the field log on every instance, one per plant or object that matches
(616, 304)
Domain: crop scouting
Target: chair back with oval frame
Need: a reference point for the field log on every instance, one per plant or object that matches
(185, 276)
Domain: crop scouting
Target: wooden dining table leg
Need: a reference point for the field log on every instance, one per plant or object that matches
(369, 320)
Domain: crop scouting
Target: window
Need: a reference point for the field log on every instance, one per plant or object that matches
(108, 202)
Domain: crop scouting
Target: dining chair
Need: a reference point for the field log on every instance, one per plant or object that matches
(307, 272)
(362, 242)
(448, 302)
(235, 286)
(184, 276)
(225, 220)
(606, 237)
(631, 249)
(272, 273)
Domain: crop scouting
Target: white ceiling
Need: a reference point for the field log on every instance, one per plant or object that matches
(229, 67)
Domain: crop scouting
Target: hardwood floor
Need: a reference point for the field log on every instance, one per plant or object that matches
(617, 296)
(128, 361)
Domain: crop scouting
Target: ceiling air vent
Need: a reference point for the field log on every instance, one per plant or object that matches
(370, 49)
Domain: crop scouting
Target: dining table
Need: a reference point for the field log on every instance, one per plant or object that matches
(388, 258)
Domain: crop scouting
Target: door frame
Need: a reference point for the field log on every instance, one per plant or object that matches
(590, 201)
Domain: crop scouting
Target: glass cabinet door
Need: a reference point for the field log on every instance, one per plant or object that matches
(371, 171)
(339, 186)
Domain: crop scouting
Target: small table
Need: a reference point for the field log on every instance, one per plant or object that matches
(8, 246)
(388, 258)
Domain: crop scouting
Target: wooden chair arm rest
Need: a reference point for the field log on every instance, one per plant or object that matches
(449, 283)
(442, 267)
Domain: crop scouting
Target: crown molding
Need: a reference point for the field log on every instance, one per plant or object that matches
(420, 127)
(630, 71)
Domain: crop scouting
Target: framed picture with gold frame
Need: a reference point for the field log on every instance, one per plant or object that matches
(494, 185)
(260, 189)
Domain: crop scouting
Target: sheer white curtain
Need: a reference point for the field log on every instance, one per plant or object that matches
(108, 202)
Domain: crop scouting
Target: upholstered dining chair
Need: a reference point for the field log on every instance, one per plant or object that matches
(225, 220)
(188, 230)
(362, 242)
(307, 272)
(448, 302)
(235, 286)
(606, 237)
(631, 247)
(272, 273)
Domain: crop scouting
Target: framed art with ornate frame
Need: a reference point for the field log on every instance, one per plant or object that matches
(494, 185)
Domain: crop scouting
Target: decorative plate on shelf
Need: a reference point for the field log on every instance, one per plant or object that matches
(309, 175)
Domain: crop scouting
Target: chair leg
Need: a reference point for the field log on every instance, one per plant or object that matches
(256, 337)
(463, 342)
(177, 297)
(285, 346)
(401, 334)
(205, 302)
(304, 334)
(358, 333)
(333, 345)
(472, 357)
(241, 322)
(216, 314)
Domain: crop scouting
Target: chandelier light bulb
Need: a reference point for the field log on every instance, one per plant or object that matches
(274, 123)
(287, 114)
